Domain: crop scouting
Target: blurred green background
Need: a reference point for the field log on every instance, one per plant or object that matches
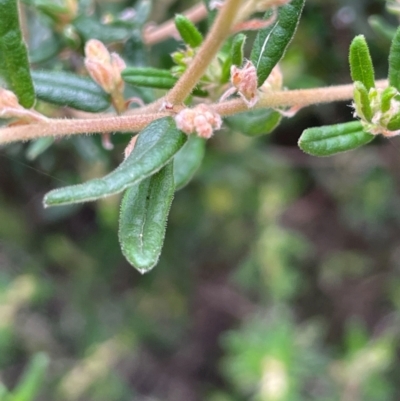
(280, 275)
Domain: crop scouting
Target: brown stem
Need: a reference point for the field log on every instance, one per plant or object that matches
(134, 123)
(216, 36)
(65, 127)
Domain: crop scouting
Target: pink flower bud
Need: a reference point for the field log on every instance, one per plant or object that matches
(245, 81)
(10, 108)
(202, 119)
(8, 99)
(103, 67)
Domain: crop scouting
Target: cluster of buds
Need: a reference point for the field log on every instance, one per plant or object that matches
(11, 109)
(379, 110)
(201, 119)
(104, 67)
(244, 82)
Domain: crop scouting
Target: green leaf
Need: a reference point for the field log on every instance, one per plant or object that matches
(155, 147)
(394, 123)
(90, 28)
(271, 42)
(361, 101)
(381, 27)
(37, 147)
(46, 50)
(188, 160)
(211, 14)
(14, 56)
(361, 67)
(386, 98)
(32, 380)
(50, 8)
(237, 49)
(188, 31)
(149, 77)
(331, 139)
(232, 53)
(153, 78)
(143, 219)
(394, 61)
(255, 122)
(67, 89)
(3, 392)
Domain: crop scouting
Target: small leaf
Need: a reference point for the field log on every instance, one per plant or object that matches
(381, 27)
(255, 122)
(153, 78)
(149, 77)
(386, 98)
(188, 160)
(14, 57)
(155, 147)
(394, 61)
(362, 101)
(67, 89)
(331, 139)
(4, 394)
(394, 123)
(90, 28)
(237, 49)
(360, 62)
(143, 219)
(271, 43)
(211, 14)
(32, 380)
(188, 31)
(37, 147)
(46, 50)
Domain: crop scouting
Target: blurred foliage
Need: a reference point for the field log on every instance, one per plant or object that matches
(280, 276)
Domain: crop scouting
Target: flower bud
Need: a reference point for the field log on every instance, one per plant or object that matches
(245, 81)
(202, 119)
(10, 108)
(103, 67)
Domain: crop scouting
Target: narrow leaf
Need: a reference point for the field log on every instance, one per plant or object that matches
(37, 147)
(361, 101)
(47, 49)
(149, 77)
(394, 61)
(237, 49)
(155, 147)
(381, 27)
(153, 78)
(386, 98)
(143, 219)
(188, 31)
(361, 67)
(255, 122)
(67, 89)
(32, 379)
(394, 123)
(90, 28)
(331, 139)
(188, 160)
(14, 56)
(4, 393)
(271, 43)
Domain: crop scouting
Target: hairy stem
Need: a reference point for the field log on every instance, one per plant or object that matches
(64, 127)
(215, 38)
(133, 123)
